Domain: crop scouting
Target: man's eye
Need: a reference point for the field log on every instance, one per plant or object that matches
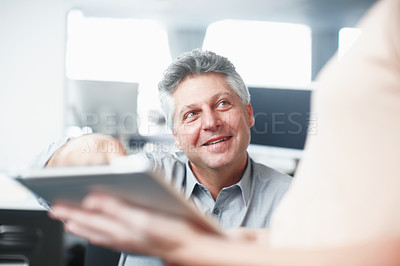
(190, 115)
(223, 103)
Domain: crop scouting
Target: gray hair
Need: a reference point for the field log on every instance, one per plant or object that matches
(197, 62)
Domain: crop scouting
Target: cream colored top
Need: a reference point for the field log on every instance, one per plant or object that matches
(347, 188)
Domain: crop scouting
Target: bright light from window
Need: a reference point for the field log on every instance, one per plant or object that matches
(264, 53)
(115, 49)
(110, 49)
(347, 37)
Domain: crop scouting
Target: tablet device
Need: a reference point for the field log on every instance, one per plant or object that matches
(141, 187)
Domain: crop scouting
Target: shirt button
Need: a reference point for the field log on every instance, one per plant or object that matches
(216, 211)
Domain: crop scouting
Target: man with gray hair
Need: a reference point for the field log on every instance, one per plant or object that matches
(207, 106)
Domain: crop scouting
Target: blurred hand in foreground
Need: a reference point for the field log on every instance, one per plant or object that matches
(108, 221)
(86, 150)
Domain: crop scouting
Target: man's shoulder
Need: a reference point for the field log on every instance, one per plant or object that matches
(162, 156)
(172, 164)
(264, 173)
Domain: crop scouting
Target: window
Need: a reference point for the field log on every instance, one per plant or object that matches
(111, 49)
(347, 37)
(264, 53)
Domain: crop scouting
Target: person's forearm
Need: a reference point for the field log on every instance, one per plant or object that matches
(209, 251)
(112, 222)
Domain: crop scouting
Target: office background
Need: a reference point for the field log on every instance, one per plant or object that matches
(34, 43)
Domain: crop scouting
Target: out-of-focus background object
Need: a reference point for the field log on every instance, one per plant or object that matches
(45, 43)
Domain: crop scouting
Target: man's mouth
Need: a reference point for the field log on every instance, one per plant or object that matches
(217, 141)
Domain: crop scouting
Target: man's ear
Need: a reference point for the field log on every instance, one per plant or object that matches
(176, 137)
(250, 115)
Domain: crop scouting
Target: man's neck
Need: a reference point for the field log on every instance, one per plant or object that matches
(216, 179)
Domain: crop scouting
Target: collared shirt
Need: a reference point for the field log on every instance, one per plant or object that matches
(248, 203)
(231, 204)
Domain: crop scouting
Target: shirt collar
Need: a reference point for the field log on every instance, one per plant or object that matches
(191, 181)
(244, 184)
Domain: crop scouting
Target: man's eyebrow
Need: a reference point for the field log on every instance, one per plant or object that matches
(213, 98)
(186, 107)
(219, 95)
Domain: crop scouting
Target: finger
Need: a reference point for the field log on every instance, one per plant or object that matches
(152, 224)
(143, 223)
(150, 228)
(99, 228)
(94, 237)
(59, 210)
(118, 208)
(85, 218)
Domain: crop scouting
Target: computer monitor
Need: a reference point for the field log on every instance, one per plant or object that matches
(282, 120)
(106, 107)
(282, 117)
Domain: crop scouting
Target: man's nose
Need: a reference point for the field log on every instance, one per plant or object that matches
(210, 120)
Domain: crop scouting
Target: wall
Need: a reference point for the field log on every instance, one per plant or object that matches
(32, 36)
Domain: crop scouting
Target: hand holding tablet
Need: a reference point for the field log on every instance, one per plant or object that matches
(140, 187)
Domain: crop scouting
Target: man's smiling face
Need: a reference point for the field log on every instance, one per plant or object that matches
(212, 126)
